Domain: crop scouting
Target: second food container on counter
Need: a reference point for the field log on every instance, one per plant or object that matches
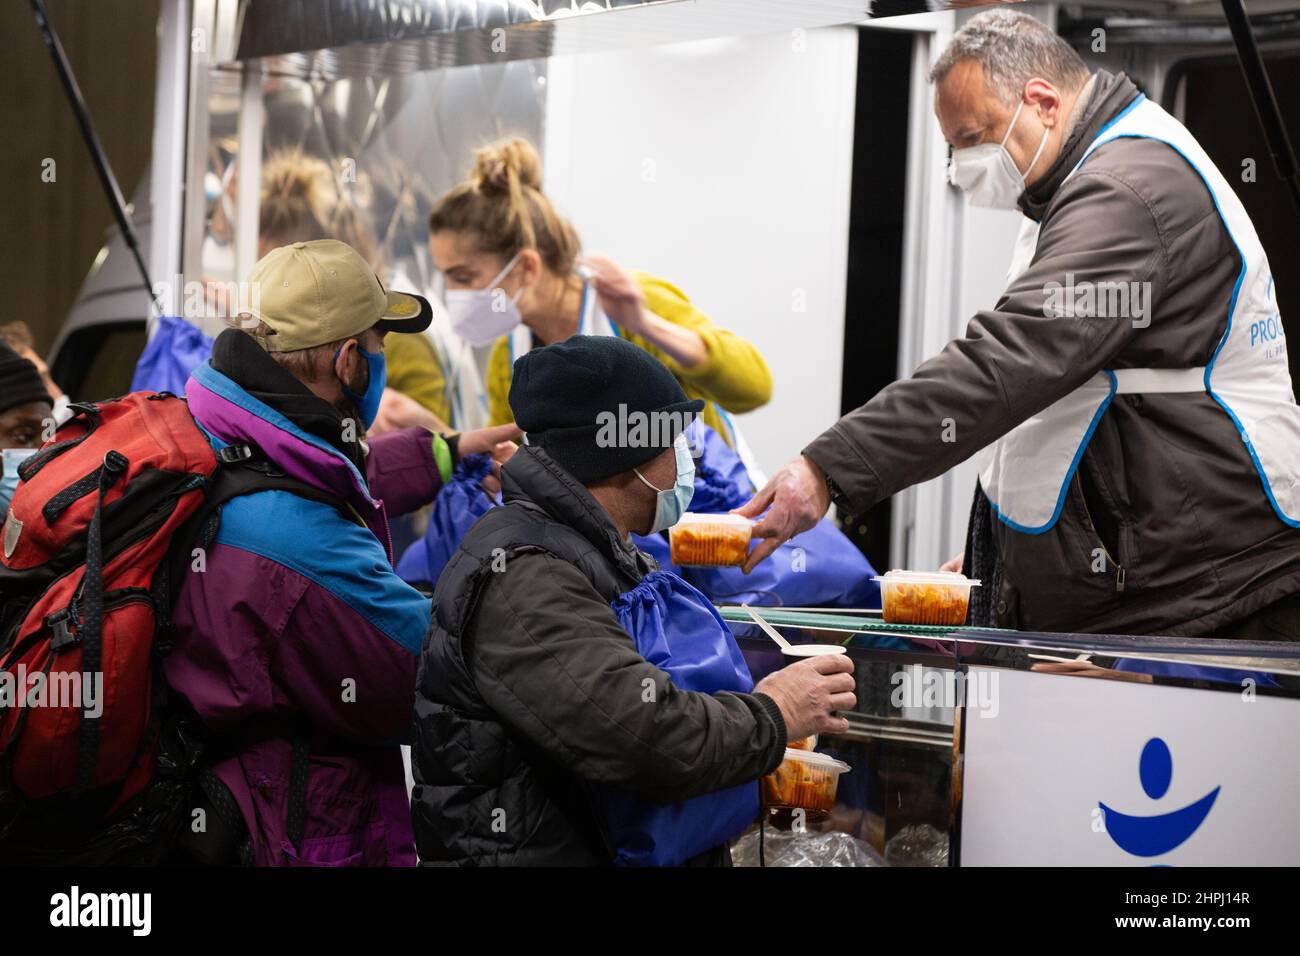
(925, 597)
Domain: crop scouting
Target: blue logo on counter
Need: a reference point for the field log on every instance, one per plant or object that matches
(1154, 835)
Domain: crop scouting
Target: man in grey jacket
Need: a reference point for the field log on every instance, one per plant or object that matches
(1128, 393)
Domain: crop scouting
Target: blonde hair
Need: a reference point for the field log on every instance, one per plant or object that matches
(300, 202)
(502, 205)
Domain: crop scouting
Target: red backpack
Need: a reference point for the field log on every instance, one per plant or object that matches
(95, 767)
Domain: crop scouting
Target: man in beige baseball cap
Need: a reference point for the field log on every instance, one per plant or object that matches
(298, 596)
(311, 293)
(319, 312)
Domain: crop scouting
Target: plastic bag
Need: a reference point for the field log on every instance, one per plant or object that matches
(458, 505)
(676, 629)
(176, 349)
(917, 844)
(787, 848)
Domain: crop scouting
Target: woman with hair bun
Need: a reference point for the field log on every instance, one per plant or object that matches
(515, 279)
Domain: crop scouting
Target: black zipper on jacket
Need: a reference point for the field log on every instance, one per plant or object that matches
(1120, 573)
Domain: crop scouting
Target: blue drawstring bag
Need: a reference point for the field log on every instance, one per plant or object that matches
(176, 349)
(819, 568)
(677, 629)
(721, 480)
(457, 506)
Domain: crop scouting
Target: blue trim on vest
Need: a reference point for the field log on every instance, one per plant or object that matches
(1096, 418)
(1115, 119)
(1209, 368)
(1069, 474)
(1232, 308)
(346, 559)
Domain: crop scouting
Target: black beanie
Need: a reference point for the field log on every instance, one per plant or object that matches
(598, 405)
(20, 383)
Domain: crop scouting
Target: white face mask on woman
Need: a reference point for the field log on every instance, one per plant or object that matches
(987, 173)
(481, 316)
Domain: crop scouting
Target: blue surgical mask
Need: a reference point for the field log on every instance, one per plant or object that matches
(368, 403)
(672, 503)
(13, 457)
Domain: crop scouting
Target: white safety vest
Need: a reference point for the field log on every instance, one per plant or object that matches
(1027, 473)
(594, 321)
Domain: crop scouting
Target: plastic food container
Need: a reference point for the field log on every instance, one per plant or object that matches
(925, 597)
(710, 540)
(805, 779)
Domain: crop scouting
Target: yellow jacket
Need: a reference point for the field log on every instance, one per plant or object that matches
(734, 376)
(414, 368)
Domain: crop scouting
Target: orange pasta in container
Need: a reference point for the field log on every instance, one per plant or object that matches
(710, 540)
(805, 779)
(920, 597)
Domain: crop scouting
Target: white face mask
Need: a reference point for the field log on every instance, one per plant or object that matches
(987, 173)
(481, 316)
(671, 503)
(12, 458)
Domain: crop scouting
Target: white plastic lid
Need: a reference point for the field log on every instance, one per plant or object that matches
(695, 517)
(926, 577)
(822, 761)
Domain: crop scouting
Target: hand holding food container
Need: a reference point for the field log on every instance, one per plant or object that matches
(805, 779)
(810, 691)
(795, 499)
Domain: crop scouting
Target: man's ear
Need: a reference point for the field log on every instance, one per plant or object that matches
(343, 359)
(1046, 99)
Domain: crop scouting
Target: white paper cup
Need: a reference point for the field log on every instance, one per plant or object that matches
(813, 650)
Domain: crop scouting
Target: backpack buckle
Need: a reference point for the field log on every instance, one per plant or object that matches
(233, 454)
(61, 623)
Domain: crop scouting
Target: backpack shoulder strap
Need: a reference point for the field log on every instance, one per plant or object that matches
(238, 474)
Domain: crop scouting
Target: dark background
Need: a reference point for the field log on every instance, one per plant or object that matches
(1231, 135)
(50, 232)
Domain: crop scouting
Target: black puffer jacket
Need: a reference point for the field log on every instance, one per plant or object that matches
(529, 691)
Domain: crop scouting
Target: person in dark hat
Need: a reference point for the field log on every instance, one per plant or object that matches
(530, 694)
(25, 407)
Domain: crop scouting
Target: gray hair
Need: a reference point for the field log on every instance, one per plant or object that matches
(1012, 48)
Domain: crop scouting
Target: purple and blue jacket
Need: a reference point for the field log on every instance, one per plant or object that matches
(299, 617)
